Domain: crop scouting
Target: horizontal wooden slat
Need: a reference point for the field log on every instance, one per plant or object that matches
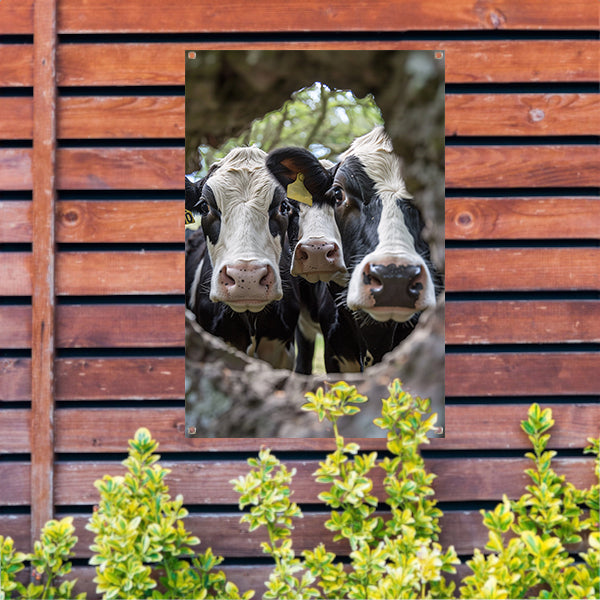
(120, 221)
(106, 273)
(121, 117)
(161, 221)
(15, 168)
(16, 65)
(523, 322)
(16, 16)
(466, 62)
(15, 427)
(522, 114)
(84, 326)
(467, 427)
(16, 118)
(15, 326)
(100, 273)
(163, 117)
(99, 378)
(119, 168)
(535, 374)
(120, 378)
(522, 166)
(16, 269)
(15, 225)
(229, 538)
(131, 325)
(206, 483)
(519, 374)
(162, 168)
(522, 269)
(522, 218)
(196, 16)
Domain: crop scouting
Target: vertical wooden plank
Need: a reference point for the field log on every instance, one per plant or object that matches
(43, 299)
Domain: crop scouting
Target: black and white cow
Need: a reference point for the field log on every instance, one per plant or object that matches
(237, 264)
(363, 202)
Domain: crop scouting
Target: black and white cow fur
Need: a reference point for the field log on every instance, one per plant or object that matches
(363, 202)
(237, 264)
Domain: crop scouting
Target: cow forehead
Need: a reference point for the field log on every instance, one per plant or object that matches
(375, 152)
(242, 179)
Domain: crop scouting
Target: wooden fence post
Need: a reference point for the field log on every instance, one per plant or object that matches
(43, 298)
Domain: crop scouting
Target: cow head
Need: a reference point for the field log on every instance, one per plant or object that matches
(317, 246)
(245, 216)
(381, 232)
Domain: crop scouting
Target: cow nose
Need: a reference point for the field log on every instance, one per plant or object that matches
(247, 276)
(393, 284)
(317, 257)
(247, 285)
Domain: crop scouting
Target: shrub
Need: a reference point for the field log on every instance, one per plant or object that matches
(142, 549)
(400, 558)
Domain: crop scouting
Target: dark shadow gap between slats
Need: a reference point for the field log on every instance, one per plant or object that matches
(143, 300)
(523, 140)
(533, 295)
(500, 192)
(325, 36)
(523, 243)
(520, 400)
(123, 143)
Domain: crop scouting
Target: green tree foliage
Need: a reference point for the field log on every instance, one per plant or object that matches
(318, 118)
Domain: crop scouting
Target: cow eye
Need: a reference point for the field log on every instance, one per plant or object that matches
(203, 207)
(338, 195)
(284, 208)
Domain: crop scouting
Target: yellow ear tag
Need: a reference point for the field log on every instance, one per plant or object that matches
(297, 191)
(189, 217)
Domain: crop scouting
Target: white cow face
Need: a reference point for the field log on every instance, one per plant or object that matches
(381, 233)
(244, 218)
(317, 246)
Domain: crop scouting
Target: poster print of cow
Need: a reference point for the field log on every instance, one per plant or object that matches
(314, 245)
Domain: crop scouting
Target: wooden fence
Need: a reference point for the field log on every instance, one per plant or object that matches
(91, 285)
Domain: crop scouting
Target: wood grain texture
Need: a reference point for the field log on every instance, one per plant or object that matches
(227, 537)
(466, 167)
(120, 221)
(120, 378)
(15, 225)
(523, 322)
(16, 65)
(120, 168)
(43, 265)
(15, 168)
(15, 326)
(208, 482)
(535, 374)
(109, 273)
(84, 326)
(522, 114)
(375, 15)
(467, 427)
(16, 269)
(121, 117)
(15, 436)
(131, 325)
(162, 221)
(16, 16)
(16, 118)
(522, 218)
(522, 166)
(466, 61)
(15, 379)
(522, 269)
(163, 117)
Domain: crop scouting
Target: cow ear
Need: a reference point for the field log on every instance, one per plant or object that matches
(192, 193)
(286, 163)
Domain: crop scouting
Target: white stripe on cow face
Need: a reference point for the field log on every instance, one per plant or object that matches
(395, 249)
(317, 255)
(245, 252)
